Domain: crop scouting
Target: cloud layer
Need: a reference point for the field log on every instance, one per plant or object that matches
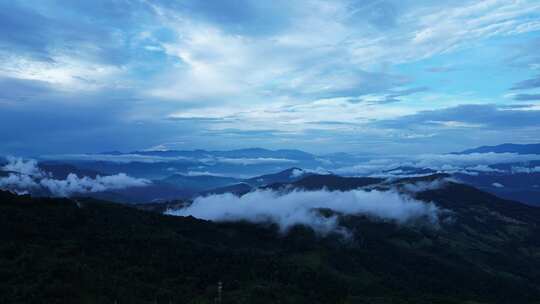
(79, 185)
(26, 177)
(445, 163)
(300, 208)
(127, 75)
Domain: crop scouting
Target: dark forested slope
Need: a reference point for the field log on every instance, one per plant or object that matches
(66, 251)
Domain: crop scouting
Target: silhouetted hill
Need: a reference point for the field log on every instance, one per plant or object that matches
(484, 250)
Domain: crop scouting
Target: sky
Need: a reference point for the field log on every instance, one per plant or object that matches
(373, 76)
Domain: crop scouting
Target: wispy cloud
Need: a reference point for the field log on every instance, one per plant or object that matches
(527, 97)
(532, 83)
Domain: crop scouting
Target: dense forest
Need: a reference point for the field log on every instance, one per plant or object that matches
(86, 251)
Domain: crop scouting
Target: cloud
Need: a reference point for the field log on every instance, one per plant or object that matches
(18, 182)
(497, 185)
(204, 173)
(79, 185)
(471, 160)
(485, 123)
(123, 158)
(241, 17)
(373, 166)
(93, 77)
(62, 72)
(300, 208)
(201, 157)
(454, 124)
(526, 97)
(254, 161)
(531, 83)
(22, 166)
(296, 173)
(524, 55)
(391, 96)
(338, 60)
(427, 185)
(41, 28)
(516, 169)
(485, 115)
(29, 178)
(444, 163)
(484, 168)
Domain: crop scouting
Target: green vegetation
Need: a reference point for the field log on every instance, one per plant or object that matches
(65, 251)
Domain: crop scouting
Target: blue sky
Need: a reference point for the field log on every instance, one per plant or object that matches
(347, 75)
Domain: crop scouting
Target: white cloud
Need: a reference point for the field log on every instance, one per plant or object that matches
(77, 185)
(375, 166)
(446, 28)
(452, 124)
(17, 182)
(204, 173)
(287, 79)
(299, 207)
(427, 185)
(309, 76)
(294, 117)
(471, 160)
(445, 163)
(123, 158)
(296, 173)
(254, 161)
(497, 185)
(525, 169)
(64, 72)
(29, 177)
(485, 168)
(19, 165)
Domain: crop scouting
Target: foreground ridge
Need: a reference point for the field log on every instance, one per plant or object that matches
(65, 251)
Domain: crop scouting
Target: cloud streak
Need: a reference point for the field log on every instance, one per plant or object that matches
(255, 161)
(120, 158)
(300, 208)
(527, 84)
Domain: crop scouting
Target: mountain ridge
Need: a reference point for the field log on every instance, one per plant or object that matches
(84, 250)
(505, 148)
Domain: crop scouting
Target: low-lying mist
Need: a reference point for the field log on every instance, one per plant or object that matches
(26, 177)
(301, 207)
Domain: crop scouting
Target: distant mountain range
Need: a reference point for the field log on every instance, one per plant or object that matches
(506, 148)
(241, 163)
(186, 174)
(239, 153)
